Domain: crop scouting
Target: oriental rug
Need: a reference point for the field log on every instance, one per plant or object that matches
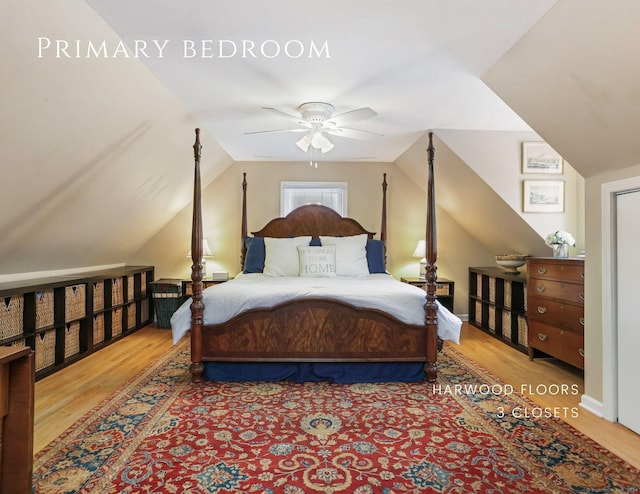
(469, 433)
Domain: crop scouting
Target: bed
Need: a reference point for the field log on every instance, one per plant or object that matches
(312, 328)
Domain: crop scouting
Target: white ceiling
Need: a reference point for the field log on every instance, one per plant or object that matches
(417, 63)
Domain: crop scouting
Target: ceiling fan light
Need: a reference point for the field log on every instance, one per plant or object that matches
(304, 143)
(321, 142)
(327, 146)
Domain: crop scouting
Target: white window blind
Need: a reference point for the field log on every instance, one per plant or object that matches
(330, 194)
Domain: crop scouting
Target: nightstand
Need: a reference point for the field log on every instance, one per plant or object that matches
(444, 289)
(186, 286)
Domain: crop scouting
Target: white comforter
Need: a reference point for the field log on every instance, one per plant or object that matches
(377, 291)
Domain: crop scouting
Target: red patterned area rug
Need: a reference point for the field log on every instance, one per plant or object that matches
(163, 434)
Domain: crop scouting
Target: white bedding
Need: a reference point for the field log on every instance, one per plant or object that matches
(377, 291)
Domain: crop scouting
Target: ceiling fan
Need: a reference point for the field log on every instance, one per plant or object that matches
(317, 121)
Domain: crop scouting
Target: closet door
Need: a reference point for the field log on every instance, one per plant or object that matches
(628, 275)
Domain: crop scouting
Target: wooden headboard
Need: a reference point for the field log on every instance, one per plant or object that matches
(310, 219)
(314, 220)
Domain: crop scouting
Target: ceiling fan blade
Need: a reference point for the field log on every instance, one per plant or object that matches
(286, 115)
(352, 116)
(353, 133)
(275, 131)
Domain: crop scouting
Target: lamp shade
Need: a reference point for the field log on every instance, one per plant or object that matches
(421, 252)
(206, 250)
(421, 249)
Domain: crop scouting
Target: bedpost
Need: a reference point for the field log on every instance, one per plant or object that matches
(383, 226)
(197, 307)
(431, 307)
(243, 226)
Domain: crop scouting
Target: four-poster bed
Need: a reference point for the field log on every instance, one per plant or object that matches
(308, 327)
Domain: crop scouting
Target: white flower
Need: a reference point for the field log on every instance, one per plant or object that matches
(560, 237)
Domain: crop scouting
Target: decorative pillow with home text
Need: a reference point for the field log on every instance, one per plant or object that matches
(317, 262)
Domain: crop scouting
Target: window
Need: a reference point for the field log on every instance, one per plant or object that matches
(330, 194)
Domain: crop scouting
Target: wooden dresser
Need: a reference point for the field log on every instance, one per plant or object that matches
(555, 308)
(16, 419)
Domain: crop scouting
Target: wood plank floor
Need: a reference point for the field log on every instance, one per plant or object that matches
(67, 395)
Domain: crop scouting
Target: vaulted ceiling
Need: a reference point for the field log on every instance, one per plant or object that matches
(418, 64)
(92, 146)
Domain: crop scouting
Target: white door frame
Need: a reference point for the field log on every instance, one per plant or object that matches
(609, 294)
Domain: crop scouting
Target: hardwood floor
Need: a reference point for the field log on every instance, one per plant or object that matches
(64, 397)
(67, 395)
(515, 368)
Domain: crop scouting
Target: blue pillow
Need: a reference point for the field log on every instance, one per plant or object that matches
(375, 256)
(254, 258)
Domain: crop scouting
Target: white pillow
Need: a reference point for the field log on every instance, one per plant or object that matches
(281, 255)
(351, 254)
(317, 262)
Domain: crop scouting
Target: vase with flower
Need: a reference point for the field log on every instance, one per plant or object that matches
(559, 241)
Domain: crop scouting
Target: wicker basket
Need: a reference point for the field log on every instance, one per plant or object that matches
(45, 349)
(492, 289)
(144, 310)
(478, 312)
(507, 294)
(18, 343)
(167, 297)
(116, 322)
(72, 339)
(98, 295)
(98, 329)
(11, 314)
(143, 283)
(492, 319)
(506, 324)
(130, 288)
(44, 308)
(75, 301)
(131, 316)
(523, 331)
(117, 291)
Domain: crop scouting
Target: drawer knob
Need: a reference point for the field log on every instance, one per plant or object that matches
(581, 295)
(582, 274)
(541, 288)
(542, 310)
(542, 337)
(581, 351)
(582, 321)
(542, 270)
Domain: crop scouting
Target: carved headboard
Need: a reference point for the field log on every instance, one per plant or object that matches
(314, 220)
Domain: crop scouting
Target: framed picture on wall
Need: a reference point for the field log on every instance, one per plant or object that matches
(543, 196)
(539, 157)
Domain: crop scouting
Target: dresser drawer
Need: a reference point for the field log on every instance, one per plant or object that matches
(553, 270)
(570, 292)
(564, 345)
(555, 313)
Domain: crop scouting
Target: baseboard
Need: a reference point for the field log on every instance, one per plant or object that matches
(594, 406)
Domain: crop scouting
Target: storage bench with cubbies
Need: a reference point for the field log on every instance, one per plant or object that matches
(65, 318)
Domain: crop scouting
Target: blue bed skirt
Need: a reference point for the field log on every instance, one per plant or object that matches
(340, 373)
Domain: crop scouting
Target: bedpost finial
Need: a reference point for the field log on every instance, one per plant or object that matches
(430, 149)
(197, 147)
